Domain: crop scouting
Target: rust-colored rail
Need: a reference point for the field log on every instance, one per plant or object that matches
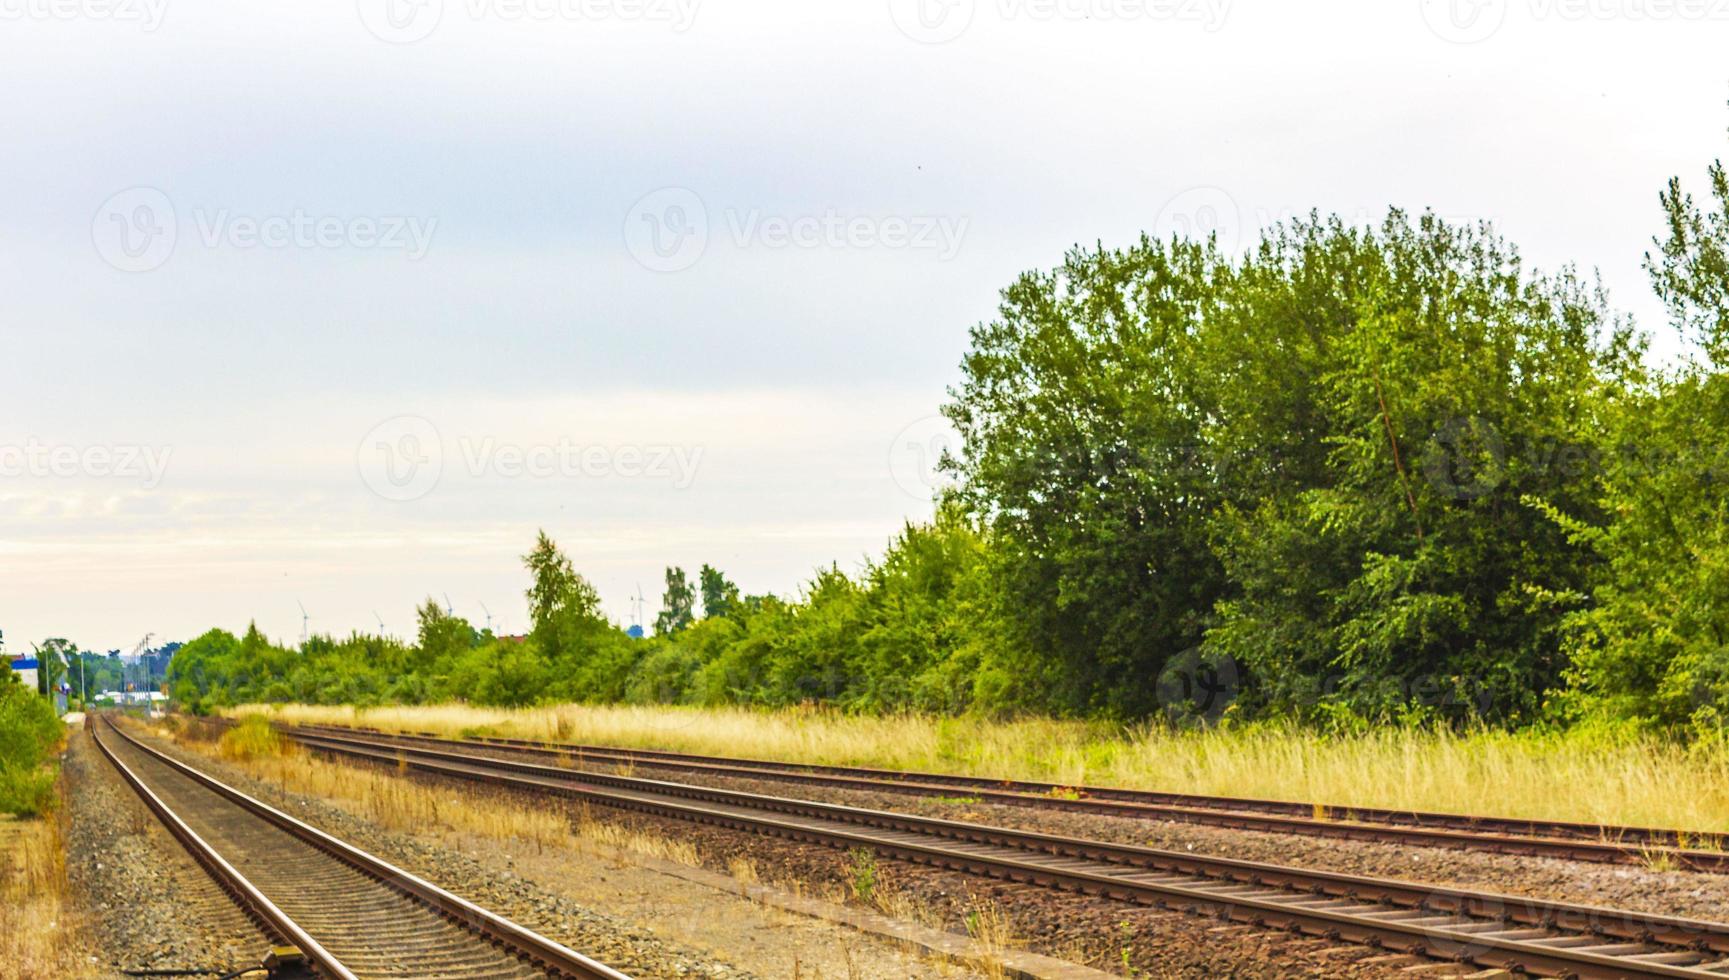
(380, 917)
(1509, 932)
(1706, 852)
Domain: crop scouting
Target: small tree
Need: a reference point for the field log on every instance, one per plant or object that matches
(677, 604)
(719, 595)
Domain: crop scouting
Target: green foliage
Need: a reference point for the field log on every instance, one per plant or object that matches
(1303, 468)
(52, 658)
(254, 737)
(29, 733)
(1447, 387)
(719, 596)
(862, 870)
(1352, 477)
(1652, 645)
(677, 604)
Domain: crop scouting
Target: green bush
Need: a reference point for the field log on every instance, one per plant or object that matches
(29, 732)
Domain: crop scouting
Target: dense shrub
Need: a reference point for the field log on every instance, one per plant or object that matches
(29, 733)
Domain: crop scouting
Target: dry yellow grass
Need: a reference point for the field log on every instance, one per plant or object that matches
(410, 807)
(41, 932)
(1599, 778)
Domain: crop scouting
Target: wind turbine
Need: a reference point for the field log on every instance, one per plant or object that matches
(488, 615)
(448, 611)
(305, 624)
(380, 619)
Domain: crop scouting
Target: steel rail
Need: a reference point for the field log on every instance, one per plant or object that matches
(1526, 838)
(543, 953)
(1508, 932)
(251, 900)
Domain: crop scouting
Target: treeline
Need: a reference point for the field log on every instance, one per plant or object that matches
(1352, 475)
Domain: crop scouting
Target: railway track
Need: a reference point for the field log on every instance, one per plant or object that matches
(1524, 935)
(1706, 852)
(351, 915)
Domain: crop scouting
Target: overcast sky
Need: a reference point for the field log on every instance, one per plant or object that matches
(319, 302)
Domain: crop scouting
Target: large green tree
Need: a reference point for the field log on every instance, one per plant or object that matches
(1653, 644)
(1302, 469)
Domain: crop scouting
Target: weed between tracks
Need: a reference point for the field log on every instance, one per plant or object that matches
(1633, 780)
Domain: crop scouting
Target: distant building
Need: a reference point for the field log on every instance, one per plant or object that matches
(26, 668)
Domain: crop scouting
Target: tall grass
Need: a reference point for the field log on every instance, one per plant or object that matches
(41, 933)
(252, 738)
(1593, 776)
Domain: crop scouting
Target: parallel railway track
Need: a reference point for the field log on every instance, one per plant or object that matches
(352, 915)
(1707, 852)
(1525, 935)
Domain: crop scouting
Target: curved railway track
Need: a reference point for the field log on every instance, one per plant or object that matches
(1520, 934)
(352, 915)
(1706, 852)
